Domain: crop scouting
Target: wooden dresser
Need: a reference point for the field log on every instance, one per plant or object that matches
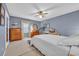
(33, 33)
(15, 34)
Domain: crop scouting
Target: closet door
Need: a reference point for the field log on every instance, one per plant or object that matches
(2, 31)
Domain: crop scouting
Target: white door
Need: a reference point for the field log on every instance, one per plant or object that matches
(25, 28)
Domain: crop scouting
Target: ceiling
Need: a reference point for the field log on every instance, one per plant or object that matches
(26, 10)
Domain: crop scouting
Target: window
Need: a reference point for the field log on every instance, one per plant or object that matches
(25, 27)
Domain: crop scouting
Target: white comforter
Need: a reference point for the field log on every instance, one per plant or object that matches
(49, 45)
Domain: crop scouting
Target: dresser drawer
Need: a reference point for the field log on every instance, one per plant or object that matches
(14, 37)
(15, 30)
(17, 33)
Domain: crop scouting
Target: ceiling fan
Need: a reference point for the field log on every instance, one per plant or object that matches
(42, 13)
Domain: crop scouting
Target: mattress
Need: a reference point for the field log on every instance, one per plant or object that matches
(48, 45)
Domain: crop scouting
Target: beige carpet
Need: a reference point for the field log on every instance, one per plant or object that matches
(21, 48)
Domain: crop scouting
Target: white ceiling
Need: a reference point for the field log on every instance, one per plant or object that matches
(26, 10)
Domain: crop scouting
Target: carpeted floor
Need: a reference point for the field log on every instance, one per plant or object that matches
(21, 48)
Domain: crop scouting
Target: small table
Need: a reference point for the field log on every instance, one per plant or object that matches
(29, 41)
(70, 46)
(71, 41)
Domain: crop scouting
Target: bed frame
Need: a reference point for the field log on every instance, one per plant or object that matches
(37, 49)
(45, 55)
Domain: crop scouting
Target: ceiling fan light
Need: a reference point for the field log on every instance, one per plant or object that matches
(40, 16)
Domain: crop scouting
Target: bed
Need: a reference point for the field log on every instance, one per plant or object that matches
(47, 44)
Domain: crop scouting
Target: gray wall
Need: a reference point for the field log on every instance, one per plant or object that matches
(15, 20)
(67, 24)
(2, 40)
(3, 32)
(18, 20)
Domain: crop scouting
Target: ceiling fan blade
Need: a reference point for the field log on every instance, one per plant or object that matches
(31, 14)
(36, 7)
(51, 8)
(45, 13)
